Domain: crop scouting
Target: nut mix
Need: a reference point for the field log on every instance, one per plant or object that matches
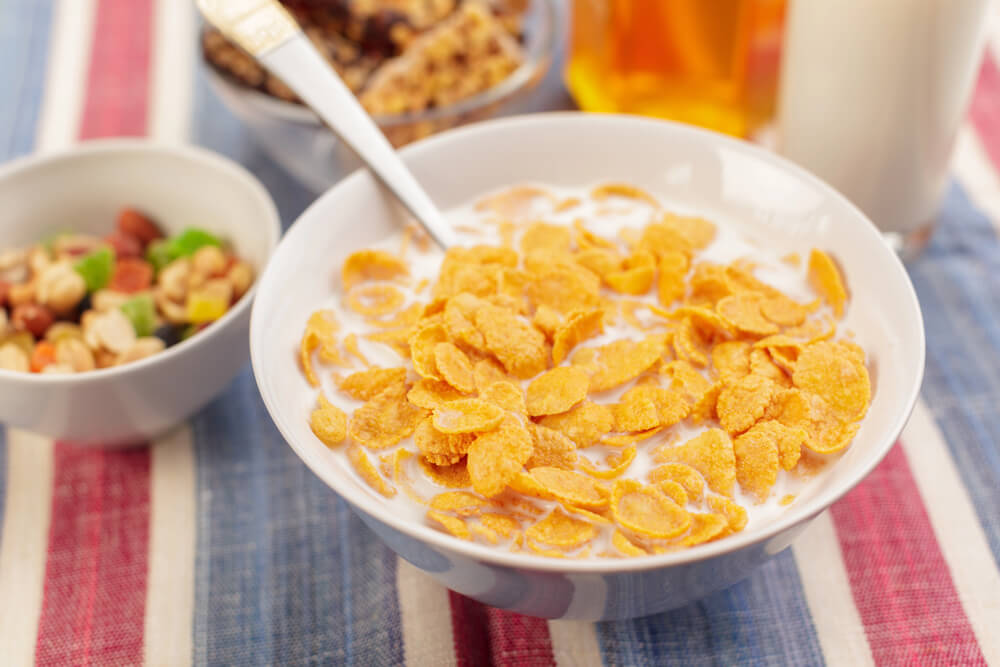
(397, 56)
(573, 394)
(77, 302)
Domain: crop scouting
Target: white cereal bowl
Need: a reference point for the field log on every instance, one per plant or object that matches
(82, 190)
(690, 170)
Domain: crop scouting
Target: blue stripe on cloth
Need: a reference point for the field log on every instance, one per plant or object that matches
(763, 620)
(24, 33)
(286, 573)
(958, 284)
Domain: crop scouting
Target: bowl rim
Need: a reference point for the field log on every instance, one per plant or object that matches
(382, 513)
(538, 57)
(101, 148)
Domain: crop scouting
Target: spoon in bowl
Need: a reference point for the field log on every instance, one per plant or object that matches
(270, 34)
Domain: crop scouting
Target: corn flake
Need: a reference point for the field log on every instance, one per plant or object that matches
(743, 402)
(561, 531)
(756, 461)
(825, 278)
(467, 415)
(743, 312)
(366, 385)
(385, 419)
(367, 471)
(497, 456)
(705, 527)
(328, 422)
(461, 503)
(623, 360)
(441, 449)
(451, 524)
(584, 424)
(454, 476)
(430, 394)
(670, 285)
(618, 464)
(556, 391)
(710, 453)
(837, 373)
(375, 299)
(647, 511)
(371, 265)
(625, 546)
(454, 367)
(578, 326)
(518, 346)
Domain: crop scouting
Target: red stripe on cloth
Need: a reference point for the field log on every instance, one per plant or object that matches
(95, 574)
(984, 111)
(488, 636)
(118, 79)
(899, 579)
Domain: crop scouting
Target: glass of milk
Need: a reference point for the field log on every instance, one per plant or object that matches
(871, 96)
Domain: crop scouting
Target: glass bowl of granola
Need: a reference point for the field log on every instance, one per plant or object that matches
(418, 66)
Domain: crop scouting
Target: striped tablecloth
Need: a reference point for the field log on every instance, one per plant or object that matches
(216, 545)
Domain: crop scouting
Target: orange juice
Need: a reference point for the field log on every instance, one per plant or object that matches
(712, 63)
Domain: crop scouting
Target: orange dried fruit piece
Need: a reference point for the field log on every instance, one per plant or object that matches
(579, 326)
(624, 190)
(422, 345)
(551, 449)
(556, 391)
(459, 320)
(618, 464)
(584, 424)
(461, 503)
(386, 419)
(670, 285)
(328, 422)
(743, 312)
(441, 449)
(371, 265)
(374, 299)
(518, 346)
(623, 360)
(321, 330)
(451, 524)
(571, 487)
(756, 461)
(467, 415)
(430, 394)
(561, 531)
(633, 281)
(710, 453)
(625, 546)
(705, 527)
(455, 367)
(646, 511)
(546, 237)
(365, 385)
(454, 476)
(495, 457)
(368, 472)
(783, 310)
(681, 473)
(743, 402)
(735, 514)
(835, 371)
(826, 280)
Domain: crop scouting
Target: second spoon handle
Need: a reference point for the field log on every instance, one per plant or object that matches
(270, 34)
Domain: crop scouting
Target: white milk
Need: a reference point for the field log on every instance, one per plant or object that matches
(872, 93)
(605, 219)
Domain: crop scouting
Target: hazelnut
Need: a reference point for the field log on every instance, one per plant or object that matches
(33, 318)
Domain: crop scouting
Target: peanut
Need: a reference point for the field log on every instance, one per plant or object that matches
(174, 277)
(241, 277)
(13, 358)
(60, 288)
(142, 348)
(21, 293)
(209, 260)
(75, 354)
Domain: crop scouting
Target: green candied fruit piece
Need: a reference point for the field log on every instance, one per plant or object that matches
(96, 268)
(158, 255)
(188, 241)
(141, 312)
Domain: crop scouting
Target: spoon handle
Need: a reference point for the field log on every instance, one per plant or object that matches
(269, 33)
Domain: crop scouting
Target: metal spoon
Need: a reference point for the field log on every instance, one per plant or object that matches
(270, 34)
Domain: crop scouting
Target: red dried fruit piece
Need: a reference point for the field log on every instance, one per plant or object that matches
(142, 227)
(131, 275)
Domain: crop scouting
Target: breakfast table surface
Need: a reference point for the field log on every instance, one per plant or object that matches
(216, 545)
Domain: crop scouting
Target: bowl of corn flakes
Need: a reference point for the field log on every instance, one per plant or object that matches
(127, 270)
(418, 67)
(654, 356)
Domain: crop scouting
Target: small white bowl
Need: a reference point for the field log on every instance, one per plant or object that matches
(82, 190)
(690, 170)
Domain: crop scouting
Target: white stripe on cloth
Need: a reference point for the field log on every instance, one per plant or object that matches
(956, 526)
(425, 612)
(827, 590)
(973, 168)
(172, 75)
(574, 644)
(66, 74)
(172, 543)
(24, 544)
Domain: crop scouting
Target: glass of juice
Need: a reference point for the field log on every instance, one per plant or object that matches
(712, 63)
